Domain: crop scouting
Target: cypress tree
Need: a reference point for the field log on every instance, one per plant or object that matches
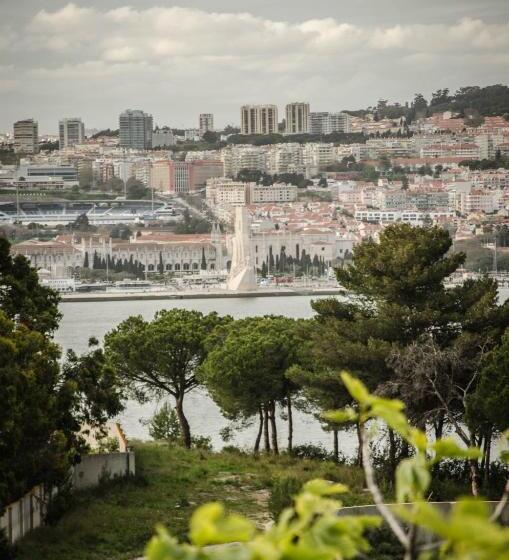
(160, 266)
(85, 261)
(203, 259)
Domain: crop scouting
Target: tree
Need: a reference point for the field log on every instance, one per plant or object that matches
(45, 407)
(312, 528)
(245, 371)
(203, 259)
(86, 264)
(161, 357)
(135, 189)
(399, 296)
(210, 137)
(22, 297)
(164, 425)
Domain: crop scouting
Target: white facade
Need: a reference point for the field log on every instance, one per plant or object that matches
(258, 119)
(297, 118)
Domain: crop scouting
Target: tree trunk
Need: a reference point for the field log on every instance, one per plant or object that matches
(392, 453)
(272, 417)
(266, 428)
(439, 425)
(336, 446)
(184, 424)
(474, 476)
(487, 458)
(359, 451)
(256, 449)
(290, 425)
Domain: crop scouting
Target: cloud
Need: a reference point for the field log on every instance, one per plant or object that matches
(222, 59)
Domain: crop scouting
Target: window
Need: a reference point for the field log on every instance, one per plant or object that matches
(186, 266)
(195, 266)
(168, 267)
(177, 267)
(212, 266)
(150, 267)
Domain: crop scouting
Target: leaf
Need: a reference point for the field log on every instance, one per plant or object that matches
(342, 416)
(412, 479)
(418, 439)
(320, 487)
(447, 447)
(392, 417)
(504, 456)
(356, 388)
(210, 525)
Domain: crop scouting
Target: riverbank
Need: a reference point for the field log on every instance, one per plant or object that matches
(201, 294)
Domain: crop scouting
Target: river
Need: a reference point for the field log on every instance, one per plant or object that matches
(82, 320)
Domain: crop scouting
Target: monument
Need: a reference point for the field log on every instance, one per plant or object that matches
(242, 277)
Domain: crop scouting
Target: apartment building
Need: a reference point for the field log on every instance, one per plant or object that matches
(135, 130)
(258, 119)
(26, 137)
(327, 123)
(180, 177)
(297, 118)
(71, 131)
(206, 123)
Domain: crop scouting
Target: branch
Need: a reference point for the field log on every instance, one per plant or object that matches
(385, 512)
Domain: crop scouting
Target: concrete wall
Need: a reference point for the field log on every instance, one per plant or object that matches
(99, 467)
(24, 515)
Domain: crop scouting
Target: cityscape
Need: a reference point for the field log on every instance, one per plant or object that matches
(254, 280)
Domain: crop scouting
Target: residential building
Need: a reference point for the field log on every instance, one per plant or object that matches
(26, 137)
(71, 131)
(206, 123)
(163, 138)
(327, 123)
(258, 119)
(236, 158)
(297, 118)
(135, 130)
(179, 177)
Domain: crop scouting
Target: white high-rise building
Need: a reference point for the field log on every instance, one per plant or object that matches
(206, 123)
(26, 137)
(135, 130)
(258, 119)
(327, 123)
(71, 131)
(297, 118)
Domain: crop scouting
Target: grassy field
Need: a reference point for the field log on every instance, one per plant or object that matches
(114, 522)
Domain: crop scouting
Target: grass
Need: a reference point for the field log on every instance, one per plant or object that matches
(115, 521)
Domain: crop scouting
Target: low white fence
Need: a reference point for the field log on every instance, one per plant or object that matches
(24, 515)
(28, 512)
(101, 467)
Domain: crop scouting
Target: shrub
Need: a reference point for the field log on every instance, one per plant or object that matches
(311, 451)
(281, 494)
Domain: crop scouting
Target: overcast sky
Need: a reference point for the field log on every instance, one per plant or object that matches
(95, 58)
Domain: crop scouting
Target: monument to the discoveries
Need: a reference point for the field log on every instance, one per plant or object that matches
(242, 277)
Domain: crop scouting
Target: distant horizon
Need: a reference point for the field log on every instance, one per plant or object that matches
(235, 124)
(94, 59)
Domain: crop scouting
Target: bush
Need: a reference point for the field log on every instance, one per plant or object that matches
(311, 451)
(201, 442)
(59, 504)
(7, 551)
(281, 494)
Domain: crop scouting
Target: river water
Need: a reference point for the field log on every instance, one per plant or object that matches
(82, 320)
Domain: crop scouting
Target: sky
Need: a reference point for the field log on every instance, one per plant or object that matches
(176, 59)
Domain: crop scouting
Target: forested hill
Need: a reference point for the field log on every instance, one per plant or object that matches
(467, 101)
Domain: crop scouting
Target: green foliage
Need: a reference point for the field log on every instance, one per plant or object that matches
(192, 224)
(282, 493)
(160, 357)
(164, 425)
(309, 530)
(22, 297)
(136, 190)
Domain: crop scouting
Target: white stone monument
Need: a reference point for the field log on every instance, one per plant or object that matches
(242, 277)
